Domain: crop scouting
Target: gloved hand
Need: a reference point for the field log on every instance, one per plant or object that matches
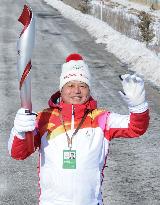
(134, 92)
(24, 122)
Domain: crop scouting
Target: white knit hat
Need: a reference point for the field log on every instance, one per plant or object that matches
(74, 69)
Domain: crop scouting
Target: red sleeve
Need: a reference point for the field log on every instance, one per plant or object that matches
(131, 126)
(18, 144)
(19, 149)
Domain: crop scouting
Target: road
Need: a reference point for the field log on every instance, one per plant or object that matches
(132, 175)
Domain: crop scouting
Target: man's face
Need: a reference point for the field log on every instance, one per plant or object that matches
(75, 92)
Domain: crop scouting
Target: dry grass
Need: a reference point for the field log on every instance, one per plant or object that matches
(152, 3)
(118, 20)
(74, 3)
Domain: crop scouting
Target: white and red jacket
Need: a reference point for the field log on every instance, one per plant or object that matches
(80, 186)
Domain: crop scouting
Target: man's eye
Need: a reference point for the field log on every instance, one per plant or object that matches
(83, 86)
(70, 85)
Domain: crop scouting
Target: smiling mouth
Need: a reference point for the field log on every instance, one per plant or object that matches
(76, 97)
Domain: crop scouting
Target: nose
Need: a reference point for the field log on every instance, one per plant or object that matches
(77, 89)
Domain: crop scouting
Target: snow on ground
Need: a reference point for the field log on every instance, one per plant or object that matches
(129, 51)
(137, 6)
(129, 4)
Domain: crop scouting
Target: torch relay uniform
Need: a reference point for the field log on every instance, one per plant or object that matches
(80, 184)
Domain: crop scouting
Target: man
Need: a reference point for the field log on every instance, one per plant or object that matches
(73, 125)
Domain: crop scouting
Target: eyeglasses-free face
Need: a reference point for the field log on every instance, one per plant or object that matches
(75, 92)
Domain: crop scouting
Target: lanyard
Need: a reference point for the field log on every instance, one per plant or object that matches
(69, 139)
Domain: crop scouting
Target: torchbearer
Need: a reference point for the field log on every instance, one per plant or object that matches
(73, 135)
(25, 46)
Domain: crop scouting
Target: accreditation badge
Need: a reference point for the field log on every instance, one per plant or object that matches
(69, 159)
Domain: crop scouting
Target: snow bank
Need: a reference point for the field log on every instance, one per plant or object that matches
(129, 51)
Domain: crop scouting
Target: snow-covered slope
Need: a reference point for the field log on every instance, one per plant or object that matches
(129, 51)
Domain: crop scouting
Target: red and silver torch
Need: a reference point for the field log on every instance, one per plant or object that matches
(25, 46)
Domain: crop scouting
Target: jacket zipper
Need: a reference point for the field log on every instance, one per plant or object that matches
(72, 121)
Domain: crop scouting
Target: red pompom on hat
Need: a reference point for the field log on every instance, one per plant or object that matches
(74, 56)
(74, 69)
